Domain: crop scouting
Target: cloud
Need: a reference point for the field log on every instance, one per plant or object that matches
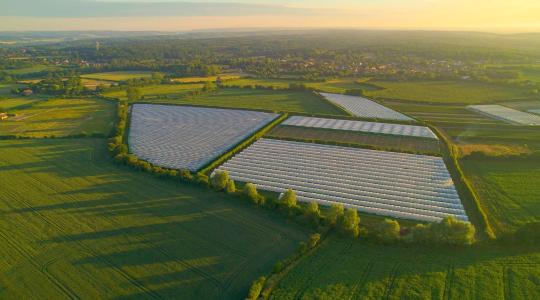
(88, 8)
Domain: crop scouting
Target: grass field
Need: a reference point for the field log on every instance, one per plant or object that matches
(207, 78)
(5, 89)
(60, 117)
(446, 91)
(509, 189)
(156, 91)
(75, 226)
(286, 101)
(13, 103)
(343, 269)
(330, 86)
(117, 76)
(30, 70)
(388, 142)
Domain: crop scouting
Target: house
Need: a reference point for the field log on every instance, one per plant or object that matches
(3, 116)
(27, 92)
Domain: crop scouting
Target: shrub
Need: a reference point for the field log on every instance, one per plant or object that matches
(288, 199)
(230, 188)
(350, 222)
(387, 231)
(312, 213)
(256, 288)
(278, 267)
(219, 180)
(448, 231)
(314, 240)
(202, 179)
(250, 190)
(185, 175)
(335, 213)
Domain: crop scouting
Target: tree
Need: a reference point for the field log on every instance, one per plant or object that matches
(219, 180)
(230, 188)
(209, 87)
(313, 213)
(387, 231)
(256, 288)
(185, 175)
(335, 213)
(288, 199)
(350, 222)
(133, 93)
(453, 231)
(202, 179)
(250, 190)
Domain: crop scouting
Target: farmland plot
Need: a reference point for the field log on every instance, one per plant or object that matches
(392, 184)
(362, 107)
(507, 114)
(371, 127)
(535, 111)
(184, 137)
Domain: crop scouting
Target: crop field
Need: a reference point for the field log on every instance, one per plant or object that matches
(184, 137)
(151, 92)
(343, 269)
(351, 138)
(278, 101)
(399, 185)
(535, 111)
(117, 76)
(506, 114)
(93, 83)
(509, 190)
(361, 126)
(60, 117)
(364, 108)
(75, 226)
(446, 92)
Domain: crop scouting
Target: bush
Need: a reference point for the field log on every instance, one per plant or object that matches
(250, 190)
(314, 240)
(350, 223)
(219, 180)
(387, 231)
(312, 213)
(278, 267)
(449, 231)
(288, 199)
(202, 179)
(335, 213)
(256, 288)
(230, 188)
(185, 175)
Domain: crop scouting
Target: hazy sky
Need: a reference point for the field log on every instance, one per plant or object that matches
(178, 15)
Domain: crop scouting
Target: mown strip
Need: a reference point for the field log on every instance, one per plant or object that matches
(246, 143)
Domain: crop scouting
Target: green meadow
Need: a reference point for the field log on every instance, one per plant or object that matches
(74, 225)
(117, 76)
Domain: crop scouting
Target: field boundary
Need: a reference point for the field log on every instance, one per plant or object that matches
(464, 187)
(242, 145)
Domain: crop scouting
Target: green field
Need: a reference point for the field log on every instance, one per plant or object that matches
(75, 226)
(343, 269)
(118, 76)
(446, 91)
(286, 101)
(382, 141)
(198, 79)
(30, 70)
(5, 89)
(509, 189)
(156, 91)
(13, 103)
(60, 117)
(339, 85)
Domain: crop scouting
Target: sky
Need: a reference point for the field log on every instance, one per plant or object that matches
(182, 15)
